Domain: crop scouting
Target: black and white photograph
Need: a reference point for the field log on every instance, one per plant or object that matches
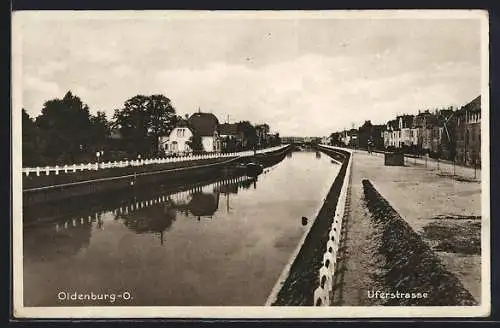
(250, 164)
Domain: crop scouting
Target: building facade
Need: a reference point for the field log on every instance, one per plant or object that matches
(468, 133)
(177, 142)
(262, 134)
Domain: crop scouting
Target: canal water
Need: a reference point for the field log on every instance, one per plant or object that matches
(223, 243)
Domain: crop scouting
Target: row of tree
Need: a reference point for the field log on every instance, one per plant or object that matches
(66, 132)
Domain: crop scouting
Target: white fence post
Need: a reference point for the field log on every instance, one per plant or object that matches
(57, 170)
(47, 170)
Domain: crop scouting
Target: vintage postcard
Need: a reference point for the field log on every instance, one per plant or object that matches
(251, 164)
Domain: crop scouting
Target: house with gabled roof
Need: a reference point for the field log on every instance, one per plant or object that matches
(177, 142)
(205, 125)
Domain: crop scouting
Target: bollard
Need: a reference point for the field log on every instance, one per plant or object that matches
(336, 231)
(325, 278)
(321, 297)
(329, 262)
(331, 247)
(332, 236)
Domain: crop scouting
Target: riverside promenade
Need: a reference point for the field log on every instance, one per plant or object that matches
(444, 210)
(57, 183)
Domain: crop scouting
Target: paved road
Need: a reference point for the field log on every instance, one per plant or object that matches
(422, 197)
(442, 167)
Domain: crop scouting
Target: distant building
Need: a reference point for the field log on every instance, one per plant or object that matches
(378, 136)
(408, 136)
(365, 134)
(468, 133)
(292, 140)
(349, 138)
(424, 121)
(229, 136)
(392, 134)
(372, 135)
(262, 133)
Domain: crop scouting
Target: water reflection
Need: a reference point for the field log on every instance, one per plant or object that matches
(153, 216)
(67, 239)
(154, 220)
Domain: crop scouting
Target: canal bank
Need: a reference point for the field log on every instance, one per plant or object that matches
(199, 247)
(54, 210)
(54, 188)
(301, 276)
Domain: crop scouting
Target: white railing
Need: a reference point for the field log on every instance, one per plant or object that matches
(324, 292)
(47, 170)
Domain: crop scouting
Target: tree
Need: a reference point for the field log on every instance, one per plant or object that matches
(100, 130)
(143, 119)
(31, 145)
(278, 139)
(65, 124)
(162, 118)
(195, 143)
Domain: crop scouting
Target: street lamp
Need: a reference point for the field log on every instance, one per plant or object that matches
(98, 154)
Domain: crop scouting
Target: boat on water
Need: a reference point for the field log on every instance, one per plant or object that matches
(254, 169)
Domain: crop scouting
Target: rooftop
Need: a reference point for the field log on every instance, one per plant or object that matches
(228, 129)
(474, 105)
(205, 124)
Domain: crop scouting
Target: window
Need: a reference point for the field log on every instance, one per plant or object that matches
(180, 133)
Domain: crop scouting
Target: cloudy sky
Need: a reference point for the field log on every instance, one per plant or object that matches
(303, 76)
